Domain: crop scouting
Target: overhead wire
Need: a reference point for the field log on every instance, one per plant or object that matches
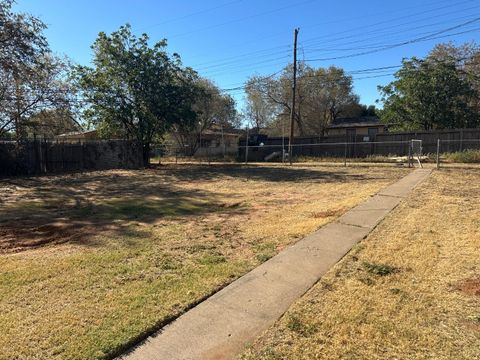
(220, 68)
(354, 30)
(180, 18)
(350, 19)
(403, 43)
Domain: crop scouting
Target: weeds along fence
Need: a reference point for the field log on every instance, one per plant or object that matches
(462, 151)
(41, 156)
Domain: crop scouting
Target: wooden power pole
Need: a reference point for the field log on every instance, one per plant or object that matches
(294, 90)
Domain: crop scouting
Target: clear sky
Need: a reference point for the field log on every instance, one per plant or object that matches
(229, 40)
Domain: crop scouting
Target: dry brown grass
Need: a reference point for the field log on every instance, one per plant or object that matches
(409, 291)
(90, 263)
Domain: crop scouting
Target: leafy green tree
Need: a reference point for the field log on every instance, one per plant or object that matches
(467, 57)
(431, 93)
(134, 90)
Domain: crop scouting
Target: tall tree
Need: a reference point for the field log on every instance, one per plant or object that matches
(31, 78)
(52, 122)
(135, 90)
(329, 95)
(322, 94)
(437, 92)
(259, 110)
(213, 110)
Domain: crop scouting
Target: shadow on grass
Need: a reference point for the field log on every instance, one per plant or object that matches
(76, 207)
(259, 173)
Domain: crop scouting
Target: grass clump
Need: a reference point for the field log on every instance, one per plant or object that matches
(299, 327)
(380, 269)
(212, 259)
(265, 251)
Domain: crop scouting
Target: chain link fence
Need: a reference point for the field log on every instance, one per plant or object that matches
(413, 152)
(463, 151)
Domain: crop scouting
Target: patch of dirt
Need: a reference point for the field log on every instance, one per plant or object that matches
(329, 213)
(470, 286)
(24, 235)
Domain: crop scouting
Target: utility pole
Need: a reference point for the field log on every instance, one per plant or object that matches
(294, 89)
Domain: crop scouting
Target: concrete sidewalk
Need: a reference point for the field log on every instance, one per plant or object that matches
(221, 326)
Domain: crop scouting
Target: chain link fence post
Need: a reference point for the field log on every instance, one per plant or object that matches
(246, 148)
(410, 153)
(438, 153)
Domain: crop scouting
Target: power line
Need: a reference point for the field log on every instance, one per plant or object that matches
(380, 35)
(254, 65)
(244, 18)
(361, 30)
(270, 57)
(428, 37)
(351, 73)
(412, 41)
(337, 21)
(191, 14)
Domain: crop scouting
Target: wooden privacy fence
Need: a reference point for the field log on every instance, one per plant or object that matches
(453, 140)
(46, 156)
(385, 144)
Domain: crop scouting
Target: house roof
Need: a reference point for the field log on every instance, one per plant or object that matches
(219, 133)
(77, 133)
(361, 121)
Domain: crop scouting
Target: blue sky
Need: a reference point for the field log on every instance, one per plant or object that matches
(230, 40)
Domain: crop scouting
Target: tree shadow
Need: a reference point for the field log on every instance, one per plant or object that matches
(77, 207)
(38, 211)
(260, 173)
